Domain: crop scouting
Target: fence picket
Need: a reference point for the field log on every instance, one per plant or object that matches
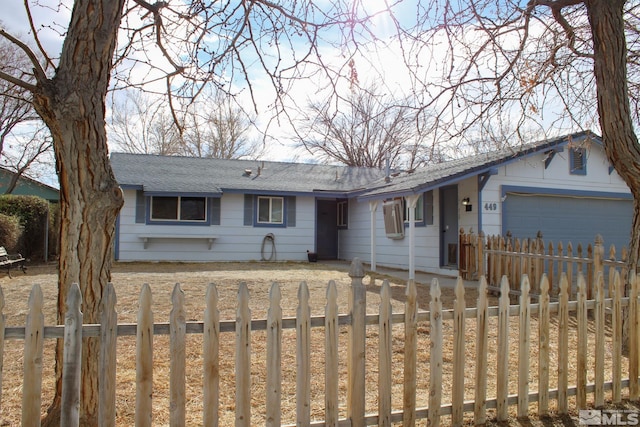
(243, 358)
(482, 351)
(211, 358)
(108, 345)
(543, 347)
(384, 356)
(435, 358)
(563, 344)
(582, 344)
(616, 327)
(3, 319)
(524, 346)
(410, 354)
(331, 404)
(357, 346)
(600, 341)
(177, 349)
(303, 357)
(72, 359)
(502, 386)
(144, 360)
(33, 346)
(274, 357)
(634, 356)
(458, 354)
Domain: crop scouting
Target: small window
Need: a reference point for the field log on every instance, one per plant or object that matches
(270, 210)
(419, 210)
(578, 161)
(342, 214)
(192, 209)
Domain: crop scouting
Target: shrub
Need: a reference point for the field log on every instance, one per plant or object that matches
(10, 232)
(32, 212)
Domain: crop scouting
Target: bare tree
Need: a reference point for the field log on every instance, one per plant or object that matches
(140, 124)
(32, 154)
(542, 65)
(180, 47)
(366, 128)
(216, 127)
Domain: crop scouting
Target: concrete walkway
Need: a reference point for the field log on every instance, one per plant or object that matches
(421, 277)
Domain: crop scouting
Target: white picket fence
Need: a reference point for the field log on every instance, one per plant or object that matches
(597, 321)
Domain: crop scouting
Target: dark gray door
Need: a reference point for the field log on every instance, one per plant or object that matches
(449, 226)
(327, 229)
(568, 219)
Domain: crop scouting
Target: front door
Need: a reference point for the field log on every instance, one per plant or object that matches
(449, 226)
(327, 229)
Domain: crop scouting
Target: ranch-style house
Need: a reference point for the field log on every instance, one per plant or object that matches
(196, 209)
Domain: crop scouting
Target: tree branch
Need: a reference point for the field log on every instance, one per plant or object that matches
(37, 69)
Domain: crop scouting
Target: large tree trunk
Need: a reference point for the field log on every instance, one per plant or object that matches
(610, 68)
(73, 106)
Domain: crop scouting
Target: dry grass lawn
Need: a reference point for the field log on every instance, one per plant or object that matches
(194, 279)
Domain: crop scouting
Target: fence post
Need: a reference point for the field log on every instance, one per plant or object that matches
(356, 347)
(70, 415)
(480, 249)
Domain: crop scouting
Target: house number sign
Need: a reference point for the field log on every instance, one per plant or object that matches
(491, 206)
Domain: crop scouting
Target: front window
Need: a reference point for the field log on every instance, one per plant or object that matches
(270, 210)
(178, 208)
(419, 210)
(342, 214)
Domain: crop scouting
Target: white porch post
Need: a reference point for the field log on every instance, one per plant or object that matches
(373, 207)
(412, 201)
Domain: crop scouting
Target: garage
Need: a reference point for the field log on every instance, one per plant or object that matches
(569, 218)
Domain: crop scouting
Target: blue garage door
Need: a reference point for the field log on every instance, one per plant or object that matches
(568, 219)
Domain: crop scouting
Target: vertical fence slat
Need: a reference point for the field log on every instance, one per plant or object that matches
(3, 319)
(482, 350)
(600, 342)
(144, 359)
(303, 357)
(331, 404)
(356, 346)
(72, 359)
(211, 358)
(543, 349)
(634, 341)
(524, 346)
(385, 357)
(616, 326)
(502, 386)
(435, 358)
(563, 343)
(458, 354)
(177, 351)
(33, 346)
(108, 345)
(243, 358)
(582, 344)
(274, 357)
(410, 354)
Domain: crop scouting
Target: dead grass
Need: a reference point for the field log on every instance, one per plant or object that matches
(194, 278)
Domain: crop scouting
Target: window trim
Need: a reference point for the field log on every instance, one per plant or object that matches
(342, 214)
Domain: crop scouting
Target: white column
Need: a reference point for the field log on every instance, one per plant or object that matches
(373, 207)
(412, 202)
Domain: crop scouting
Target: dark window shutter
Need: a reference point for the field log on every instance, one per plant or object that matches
(215, 211)
(140, 206)
(428, 207)
(291, 211)
(248, 209)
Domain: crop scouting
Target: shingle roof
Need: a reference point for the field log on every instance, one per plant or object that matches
(174, 174)
(439, 174)
(191, 175)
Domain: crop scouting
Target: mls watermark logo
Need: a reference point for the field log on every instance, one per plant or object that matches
(608, 417)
